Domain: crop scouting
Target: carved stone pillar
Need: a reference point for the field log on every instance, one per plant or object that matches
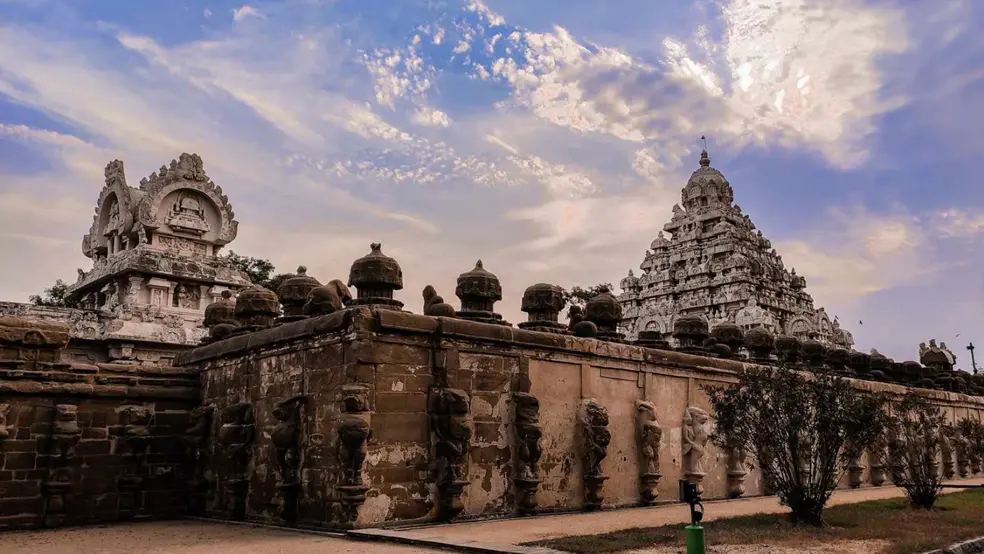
(595, 440)
(286, 439)
(648, 435)
(961, 447)
(354, 432)
(528, 433)
(236, 437)
(196, 439)
(133, 444)
(878, 458)
(4, 432)
(946, 452)
(57, 487)
(452, 426)
(696, 433)
(736, 472)
(855, 473)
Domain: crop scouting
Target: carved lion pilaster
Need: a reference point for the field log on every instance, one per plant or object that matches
(595, 440)
(648, 435)
(452, 426)
(65, 436)
(286, 439)
(528, 433)
(236, 435)
(196, 439)
(354, 432)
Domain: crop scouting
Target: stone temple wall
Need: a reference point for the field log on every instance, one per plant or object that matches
(368, 416)
(87, 443)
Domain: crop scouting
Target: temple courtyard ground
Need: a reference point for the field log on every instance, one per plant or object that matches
(202, 537)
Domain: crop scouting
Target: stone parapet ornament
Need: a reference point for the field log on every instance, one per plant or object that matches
(760, 343)
(737, 471)
(691, 331)
(375, 276)
(543, 303)
(604, 311)
(293, 294)
(327, 299)
(479, 290)
(256, 308)
(731, 335)
(595, 440)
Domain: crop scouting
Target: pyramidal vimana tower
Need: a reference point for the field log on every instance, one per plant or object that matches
(715, 264)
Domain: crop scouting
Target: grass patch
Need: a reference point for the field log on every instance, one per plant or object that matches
(958, 516)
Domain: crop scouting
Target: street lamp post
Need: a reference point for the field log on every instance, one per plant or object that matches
(973, 362)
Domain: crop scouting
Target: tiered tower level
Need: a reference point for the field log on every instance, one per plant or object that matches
(715, 264)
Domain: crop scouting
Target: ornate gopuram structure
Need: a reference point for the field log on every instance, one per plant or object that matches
(716, 265)
(155, 267)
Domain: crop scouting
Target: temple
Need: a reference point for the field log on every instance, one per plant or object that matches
(312, 406)
(715, 265)
(155, 267)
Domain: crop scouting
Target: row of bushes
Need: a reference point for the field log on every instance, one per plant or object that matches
(807, 431)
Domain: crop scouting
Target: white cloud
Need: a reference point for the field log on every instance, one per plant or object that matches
(207, 13)
(244, 11)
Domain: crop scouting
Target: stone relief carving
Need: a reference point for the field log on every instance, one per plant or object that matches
(949, 461)
(196, 439)
(187, 215)
(452, 426)
(182, 246)
(528, 434)
(354, 432)
(236, 436)
(187, 297)
(649, 435)
(696, 432)
(595, 439)
(286, 439)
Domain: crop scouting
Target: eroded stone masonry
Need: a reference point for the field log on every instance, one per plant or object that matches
(180, 389)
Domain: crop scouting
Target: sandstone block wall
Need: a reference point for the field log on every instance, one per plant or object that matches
(87, 443)
(402, 362)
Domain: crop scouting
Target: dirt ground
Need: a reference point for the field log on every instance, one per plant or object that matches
(187, 537)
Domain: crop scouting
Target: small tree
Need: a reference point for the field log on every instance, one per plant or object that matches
(577, 296)
(804, 431)
(915, 430)
(55, 296)
(259, 271)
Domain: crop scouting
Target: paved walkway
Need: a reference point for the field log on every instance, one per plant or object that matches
(188, 537)
(592, 523)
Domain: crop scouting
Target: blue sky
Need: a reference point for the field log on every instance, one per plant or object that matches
(548, 138)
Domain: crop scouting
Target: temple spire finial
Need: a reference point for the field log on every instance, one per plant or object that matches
(705, 160)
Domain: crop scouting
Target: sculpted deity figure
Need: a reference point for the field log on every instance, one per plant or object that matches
(114, 216)
(649, 436)
(696, 432)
